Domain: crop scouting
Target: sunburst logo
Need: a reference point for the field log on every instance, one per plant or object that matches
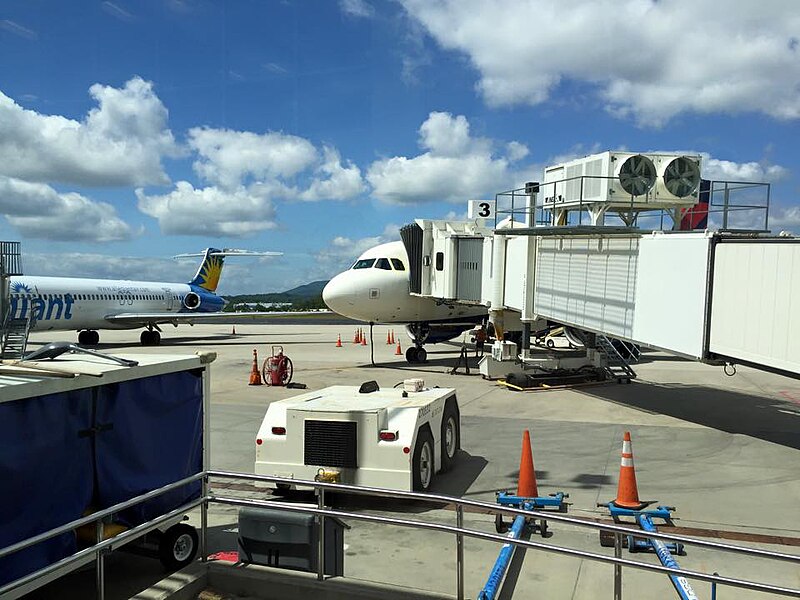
(20, 288)
(210, 273)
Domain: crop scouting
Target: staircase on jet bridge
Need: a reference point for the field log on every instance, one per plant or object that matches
(15, 338)
(617, 366)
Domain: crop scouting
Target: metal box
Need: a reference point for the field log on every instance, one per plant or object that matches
(290, 540)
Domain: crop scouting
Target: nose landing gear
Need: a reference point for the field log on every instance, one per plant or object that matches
(419, 333)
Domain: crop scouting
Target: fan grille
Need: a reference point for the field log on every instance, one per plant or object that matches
(682, 177)
(637, 175)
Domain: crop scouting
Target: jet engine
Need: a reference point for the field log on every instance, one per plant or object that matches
(192, 301)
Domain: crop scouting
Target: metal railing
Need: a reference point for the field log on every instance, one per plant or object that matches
(730, 205)
(458, 530)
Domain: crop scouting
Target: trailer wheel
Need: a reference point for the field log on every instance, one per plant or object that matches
(451, 436)
(422, 464)
(178, 546)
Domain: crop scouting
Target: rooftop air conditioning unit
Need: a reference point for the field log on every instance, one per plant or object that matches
(623, 179)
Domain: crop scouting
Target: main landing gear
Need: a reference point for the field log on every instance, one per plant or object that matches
(419, 333)
(150, 337)
(88, 337)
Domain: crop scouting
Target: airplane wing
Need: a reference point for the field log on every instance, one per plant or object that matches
(176, 318)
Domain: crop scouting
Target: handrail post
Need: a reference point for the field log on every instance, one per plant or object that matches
(100, 581)
(204, 521)
(460, 552)
(617, 566)
(321, 548)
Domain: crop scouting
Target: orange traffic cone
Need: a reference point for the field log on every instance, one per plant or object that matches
(627, 494)
(356, 339)
(388, 339)
(526, 486)
(398, 351)
(363, 339)
(255, 374)
(339, 340)
(393, 336)
(233, 330)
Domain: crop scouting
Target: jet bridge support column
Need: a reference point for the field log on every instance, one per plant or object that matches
(498, 285)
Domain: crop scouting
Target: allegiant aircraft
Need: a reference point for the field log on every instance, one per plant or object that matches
(86, 305)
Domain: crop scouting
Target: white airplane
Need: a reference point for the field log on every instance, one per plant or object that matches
(376, 290)
(86, 305)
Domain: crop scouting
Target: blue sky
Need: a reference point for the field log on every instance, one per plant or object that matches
(133, 131)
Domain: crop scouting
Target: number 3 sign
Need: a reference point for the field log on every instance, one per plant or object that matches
(481, 209)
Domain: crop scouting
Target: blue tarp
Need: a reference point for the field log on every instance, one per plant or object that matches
(62, 453)
(45, 476)
(156, 437)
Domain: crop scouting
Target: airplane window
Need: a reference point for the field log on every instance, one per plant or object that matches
(398, 264)
(383, 263)
(364, 263)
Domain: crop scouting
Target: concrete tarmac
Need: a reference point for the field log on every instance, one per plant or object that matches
(723, 450)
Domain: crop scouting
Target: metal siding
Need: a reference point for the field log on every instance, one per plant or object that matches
(516, 267)
(584, 283)
(470, 268)
(671, 293)
(755, 312)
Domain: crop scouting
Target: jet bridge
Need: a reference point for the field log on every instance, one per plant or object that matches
(729, 295)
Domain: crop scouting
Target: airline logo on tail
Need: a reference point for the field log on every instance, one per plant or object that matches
(209, 272)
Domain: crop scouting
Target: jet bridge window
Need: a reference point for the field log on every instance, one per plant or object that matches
(398, 264)
(440, 261)
(364, 263)
(383, 263)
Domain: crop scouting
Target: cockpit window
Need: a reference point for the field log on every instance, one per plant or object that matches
(364, 263)
(383, 263)
(398, 264)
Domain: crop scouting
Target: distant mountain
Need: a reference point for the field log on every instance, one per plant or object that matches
(303, 296)
(308, 290)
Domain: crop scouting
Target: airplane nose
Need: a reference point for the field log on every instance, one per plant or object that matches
(338, 295)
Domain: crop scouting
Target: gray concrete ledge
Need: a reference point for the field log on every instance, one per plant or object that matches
(265, 583)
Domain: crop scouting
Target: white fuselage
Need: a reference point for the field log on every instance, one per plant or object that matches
(369, 291)
(67, 303)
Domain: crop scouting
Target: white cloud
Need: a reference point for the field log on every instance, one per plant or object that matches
(342, 251)
(785, 218)
(726, 170)
(39, 211)
(228, 158)
(209, 211)
(17, 29)
(357, 8)
(456, 166)
(647, 59)
(248, 172)
(120, 142)
(334, 181)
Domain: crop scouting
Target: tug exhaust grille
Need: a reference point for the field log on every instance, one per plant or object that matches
(330, 444)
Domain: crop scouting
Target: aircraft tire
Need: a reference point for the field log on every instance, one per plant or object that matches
(150, 338)
(88, 337)
(422, 355)
(411, 354)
